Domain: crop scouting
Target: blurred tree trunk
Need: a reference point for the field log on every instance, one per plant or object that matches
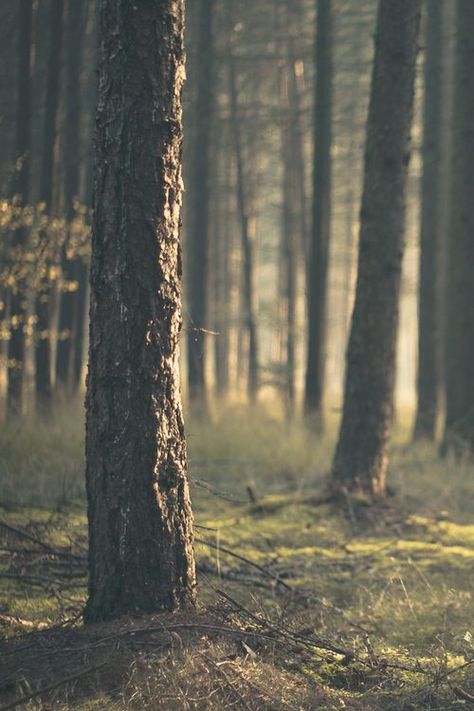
(459, 346)
(43, 299)
(289, 227)
(222, 281)
(81, 265)
(321, 213)
(428, 319)
(360, 459)
(75, 27)
(246, 227)
(20, 191)
(140, 524)
(199, 208)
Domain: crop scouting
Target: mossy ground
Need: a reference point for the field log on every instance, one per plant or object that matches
(390, 587)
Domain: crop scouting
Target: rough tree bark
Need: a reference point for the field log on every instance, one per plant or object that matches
(199, 209)
(43, 300)
(140, 524)
(428, 320)
(321, 216)
(75, 27)
(360, 459)
(459, 346)
(20, 191)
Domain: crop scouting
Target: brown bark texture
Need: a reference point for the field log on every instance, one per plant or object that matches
(459, 346)
(360, 459)
(140, 523)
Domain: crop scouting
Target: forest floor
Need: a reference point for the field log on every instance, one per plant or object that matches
(300, 606)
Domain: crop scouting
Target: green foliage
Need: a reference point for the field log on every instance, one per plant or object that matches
(34, 248)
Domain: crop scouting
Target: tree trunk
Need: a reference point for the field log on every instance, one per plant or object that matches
(44, 297)
(21, 183)
(289, 226)
(75, 26)
(222, 279)
(140, 523)
(81, 266)
(199, 212)
(319, 248)
(459, 348)
(360, 459)
(428, 321)
(248, 257)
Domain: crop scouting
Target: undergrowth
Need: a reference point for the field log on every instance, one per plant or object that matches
(309, 607)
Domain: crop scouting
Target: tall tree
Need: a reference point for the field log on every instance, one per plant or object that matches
(81, 265)
(459, 346)
(321, 214)
(140, 523)
(75, 27)
(428, 320)
(360, 459)
(222, 248)
(289, 231)
(246, 230)
(43, 300)
(199, 208)
(20, 191)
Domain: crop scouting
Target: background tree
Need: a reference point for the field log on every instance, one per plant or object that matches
(321, 211)
(74, 33)
(43, 353)
(140, 534)
(247, 227)
(459, 344)
(428, 319)
(360, 460)
(20, 192)
(198, 241)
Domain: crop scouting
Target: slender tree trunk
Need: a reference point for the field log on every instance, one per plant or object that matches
(319, 248)
(199, 212)
(459, 347)
(21, 183)
(428, 320)
(75, 26)
(140, 523)
(248, 257)
(222, 281)
(298, 141)
(81, 265)
(360, 459)
(289, 235)
(44, 300)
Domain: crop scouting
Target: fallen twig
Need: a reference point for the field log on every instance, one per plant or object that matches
(265, 571)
